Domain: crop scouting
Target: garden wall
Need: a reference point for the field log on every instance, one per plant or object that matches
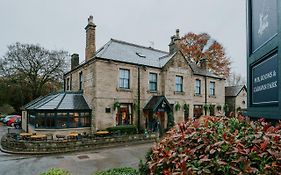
(10, 144)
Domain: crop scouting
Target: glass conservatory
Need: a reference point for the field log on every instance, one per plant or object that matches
(59, 111)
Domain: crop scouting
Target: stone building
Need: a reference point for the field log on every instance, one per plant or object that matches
(124, 83)
(122, 74)
(236, 98)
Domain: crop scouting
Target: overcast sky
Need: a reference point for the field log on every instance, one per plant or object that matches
(59, 24)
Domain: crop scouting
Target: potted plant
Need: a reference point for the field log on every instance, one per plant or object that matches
(177, 106)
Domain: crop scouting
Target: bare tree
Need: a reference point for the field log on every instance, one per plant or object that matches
(235, 79)
(33, 66)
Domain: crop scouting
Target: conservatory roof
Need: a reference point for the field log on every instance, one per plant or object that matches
(59, 101)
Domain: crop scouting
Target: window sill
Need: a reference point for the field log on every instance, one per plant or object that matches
(152, 92)
(179, 93)
(212, 96)
(198, 95)
(123, 90)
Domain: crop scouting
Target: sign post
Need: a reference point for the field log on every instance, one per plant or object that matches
(263, 58)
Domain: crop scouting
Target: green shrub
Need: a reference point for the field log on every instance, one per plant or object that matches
(123, 129)
(118, 171)
(56, 171)
(217, 145)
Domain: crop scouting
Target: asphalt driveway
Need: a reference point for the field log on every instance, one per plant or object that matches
(82, 163)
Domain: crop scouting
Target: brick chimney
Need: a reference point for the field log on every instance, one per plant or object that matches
(90, 39)
(204, 63)
(174, 44)
(74, 60)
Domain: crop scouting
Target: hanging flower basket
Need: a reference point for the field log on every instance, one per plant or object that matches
(177, 107)
(206, 107)
(116, 105)
(186, 107)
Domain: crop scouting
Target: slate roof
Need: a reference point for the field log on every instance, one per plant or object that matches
(131, 53)
(233, 91)
(125, 52)
(59, 101)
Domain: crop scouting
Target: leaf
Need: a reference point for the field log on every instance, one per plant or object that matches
(212, 151)
(207, 171)
(264, 144)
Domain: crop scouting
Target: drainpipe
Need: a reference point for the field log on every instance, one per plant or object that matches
(206, 94)
(138, 98)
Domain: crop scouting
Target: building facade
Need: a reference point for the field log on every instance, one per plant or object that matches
(236, 99)
(120, 79)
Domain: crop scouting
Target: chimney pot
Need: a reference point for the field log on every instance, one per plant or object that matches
(90, 19)
(178, 33)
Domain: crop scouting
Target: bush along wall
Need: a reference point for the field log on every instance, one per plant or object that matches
(217, 145)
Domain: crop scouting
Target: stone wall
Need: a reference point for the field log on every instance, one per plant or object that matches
(12, 145)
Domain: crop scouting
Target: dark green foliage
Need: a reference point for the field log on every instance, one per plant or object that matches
(123, 129)
(118, 171)
(186, 107)
(225, 108)
(206, 107)
(116, 105)
(171, 121)
(177, 107)
(55, 171)
(217, 145)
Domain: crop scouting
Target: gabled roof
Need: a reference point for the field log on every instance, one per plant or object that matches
(233, 91)
(154, 103)
(59, 101)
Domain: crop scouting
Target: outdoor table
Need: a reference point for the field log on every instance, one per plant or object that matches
(102, 133)
(38, 137)
(72, 136)
(25, 135)
(60, 136)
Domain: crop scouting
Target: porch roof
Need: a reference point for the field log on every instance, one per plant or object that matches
(157, 103)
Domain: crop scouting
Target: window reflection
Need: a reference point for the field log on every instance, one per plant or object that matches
(60, 119)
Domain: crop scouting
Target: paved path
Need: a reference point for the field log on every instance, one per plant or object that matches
(83, 163)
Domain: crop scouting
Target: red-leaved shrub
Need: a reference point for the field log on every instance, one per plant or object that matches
(217, 145)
